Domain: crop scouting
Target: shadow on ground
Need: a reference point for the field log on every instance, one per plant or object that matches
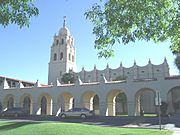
(120, 121)
(12, 125)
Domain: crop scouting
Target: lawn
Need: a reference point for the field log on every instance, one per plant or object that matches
(57, 128)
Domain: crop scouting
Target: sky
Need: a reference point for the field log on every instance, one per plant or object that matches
(25, 53)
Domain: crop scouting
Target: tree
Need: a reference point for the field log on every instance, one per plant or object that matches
(68, 78)
(177, 62)
(125, 21)
(17, 12)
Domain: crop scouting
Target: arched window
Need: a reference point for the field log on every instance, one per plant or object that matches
(10, 102)
(55, 56)
(27, 104)
(57, 42)
(72, 58)
(62, 41)
(61, 56)
(69, 56)
(43, 106)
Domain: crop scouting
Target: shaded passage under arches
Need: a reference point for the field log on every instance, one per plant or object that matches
(90, 100)
(173, 100)
(65, 102)
(27, 104)
(145, 102)
(116, 103)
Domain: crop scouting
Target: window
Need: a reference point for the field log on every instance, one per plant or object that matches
(57, 42)
(72, 58)
(62, 41)
(69, 56)
(55, 56)
(13, 84)
(61, 56)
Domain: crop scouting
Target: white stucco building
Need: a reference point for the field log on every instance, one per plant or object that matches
(109, 92)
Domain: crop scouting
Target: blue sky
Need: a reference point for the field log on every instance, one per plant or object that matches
(25, 52)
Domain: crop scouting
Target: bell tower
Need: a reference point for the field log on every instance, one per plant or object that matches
(63, 55)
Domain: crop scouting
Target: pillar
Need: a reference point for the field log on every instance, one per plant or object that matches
(102, 106)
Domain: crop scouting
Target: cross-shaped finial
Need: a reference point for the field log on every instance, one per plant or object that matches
(64, 24)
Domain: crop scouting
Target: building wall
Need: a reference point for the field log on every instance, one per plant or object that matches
(132, 90)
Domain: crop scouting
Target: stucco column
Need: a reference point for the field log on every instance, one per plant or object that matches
(131, 108)
(131, 103)
(54, 109)
(17, 101)
(102, 106)
(35, 108)
(77, 101)
(170, 103)
(111, 109)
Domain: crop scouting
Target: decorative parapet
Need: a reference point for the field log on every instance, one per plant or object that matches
(5, 84)
(37, 84)
(103, 79)
(78, 81)
(20, 85)
(58, 83)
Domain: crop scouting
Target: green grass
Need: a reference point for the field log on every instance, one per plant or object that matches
(150, 114)
(57, 128)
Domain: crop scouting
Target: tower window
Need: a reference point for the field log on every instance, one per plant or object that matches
(62, 41)
(61, 56)
(55, 56)
(72, 58)
(57, 42)
(69, 56)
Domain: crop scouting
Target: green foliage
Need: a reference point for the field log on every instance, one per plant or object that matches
(125, 21)
(177, 62)
(68, 78)
(17, 12)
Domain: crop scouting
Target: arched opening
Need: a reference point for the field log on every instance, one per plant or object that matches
(69, 56)
(10, 102)
(61, 56)
(57, 42)
(116, 103)
(90, 100)
(145, 102)
(121, 104)
(72, 58)
(62, 41)
(55, 57)
(173, 100)
(27, 104)
(43, 105)
(65, 102)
